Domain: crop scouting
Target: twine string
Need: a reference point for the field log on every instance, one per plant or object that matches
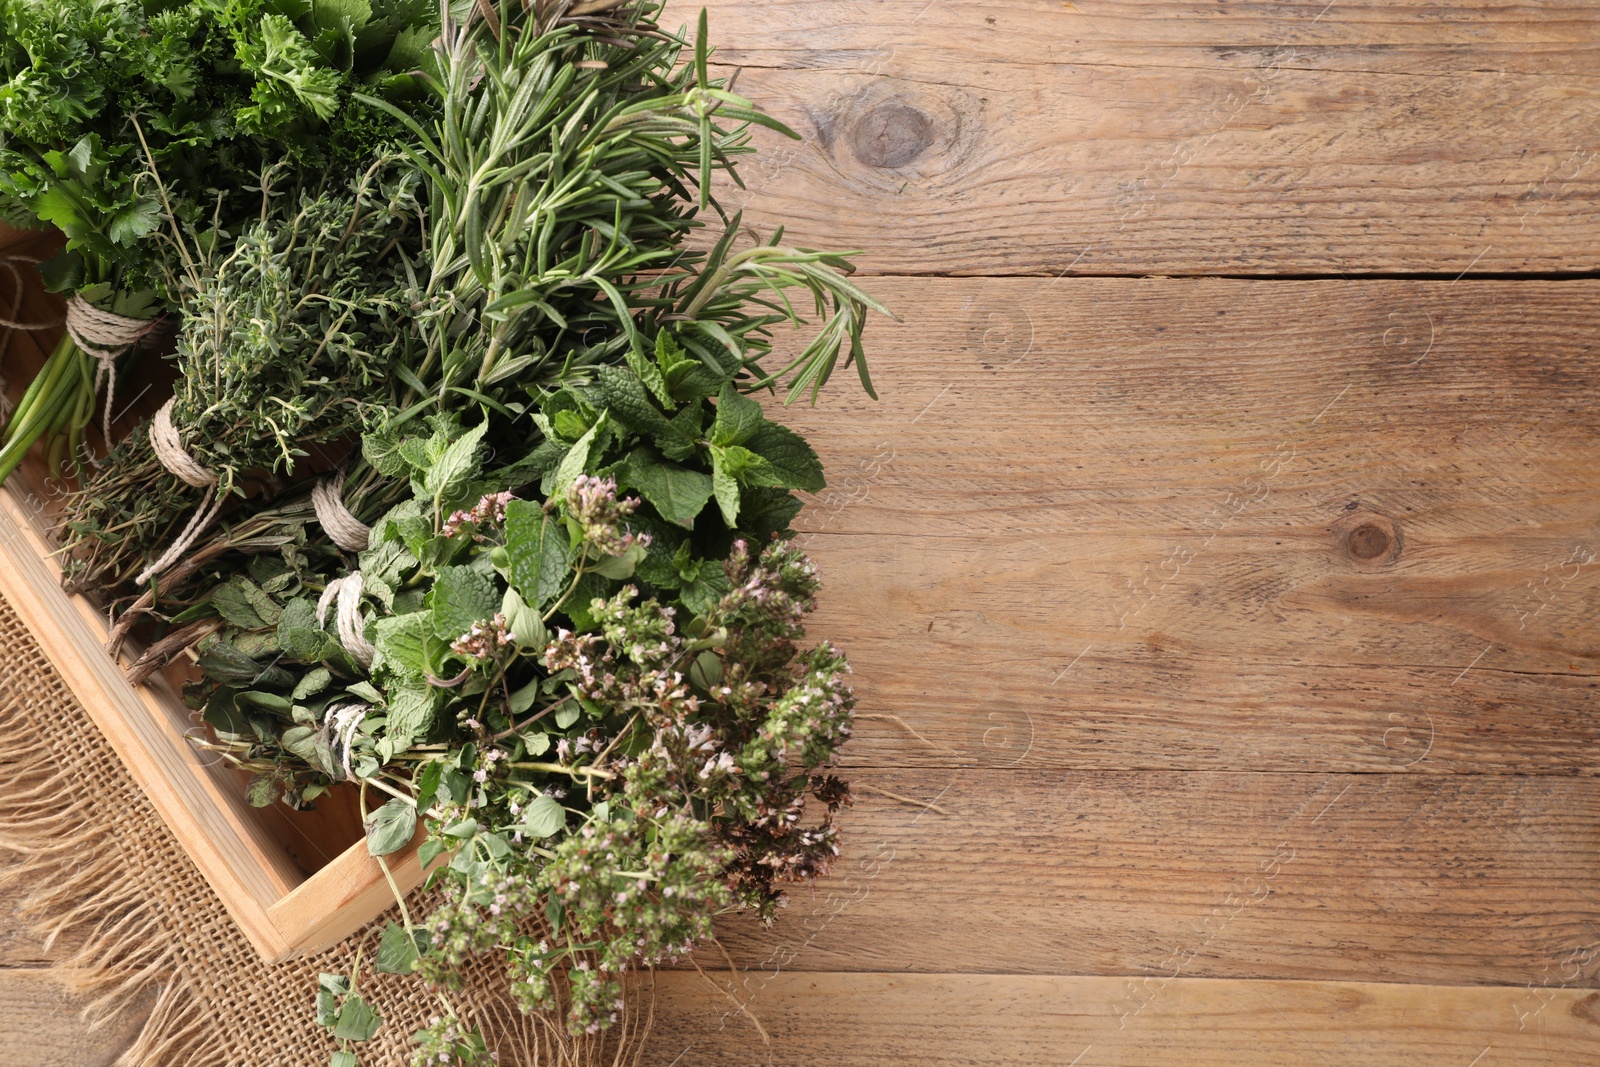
(342, 721)
(104, 335)
(347, 531)
(173, 456)
(344, 595)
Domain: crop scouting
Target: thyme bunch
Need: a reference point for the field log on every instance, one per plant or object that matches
(288, 343)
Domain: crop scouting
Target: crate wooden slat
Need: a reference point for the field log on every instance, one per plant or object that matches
(281, 911)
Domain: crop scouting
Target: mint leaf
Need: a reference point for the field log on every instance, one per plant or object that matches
(747, 468)
(650, 375)
(765, 512)
(678, 493)
(574, 462)
(725, 487)
(232, 604)
(381, 448)
(460, 597)
(401, 643)
(454, 468)
(536, 551)
(787, 451)
(357, 1020)
(299, 635)
(625, 397)
(737, 417)
(681, 442)
(412, 709)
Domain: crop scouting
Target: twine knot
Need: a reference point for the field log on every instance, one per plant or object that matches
(341, 721)
(347, 531)
(173, 456)
(105, 336)
(344, 594)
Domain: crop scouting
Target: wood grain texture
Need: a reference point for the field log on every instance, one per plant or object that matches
(54, 1034)
(1442, 879)
(1175, 136)
(867, 1020)
(1117, 523)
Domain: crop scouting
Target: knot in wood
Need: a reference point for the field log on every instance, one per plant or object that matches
(891, 135)
(1370, 539)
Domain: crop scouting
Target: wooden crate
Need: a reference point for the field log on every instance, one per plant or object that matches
(294, 882)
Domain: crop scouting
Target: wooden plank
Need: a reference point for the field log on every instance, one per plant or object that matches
(147, 728)
(1433, 879)
(1120, 523)
(879, 1020)
(1175, 136)
(42, 1027)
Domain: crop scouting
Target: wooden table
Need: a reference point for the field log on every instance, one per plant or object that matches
(1221, 567)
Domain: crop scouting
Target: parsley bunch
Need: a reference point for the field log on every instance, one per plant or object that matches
(113, 112)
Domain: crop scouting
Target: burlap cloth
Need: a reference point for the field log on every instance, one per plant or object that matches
(112, 879)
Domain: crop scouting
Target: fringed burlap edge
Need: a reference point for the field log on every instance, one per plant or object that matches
(82, 895)
(125, 953)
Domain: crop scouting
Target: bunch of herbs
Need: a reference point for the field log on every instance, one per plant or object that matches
(98, 95)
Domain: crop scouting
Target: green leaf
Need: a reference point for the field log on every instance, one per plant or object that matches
(678, 493)
(650, 374)
(431, 850)
(381, 449)
(428, 785)
(357, 1020)
(460, 597)
(522, 699)
(390, 829)
(542, 817)
(566, 715)
(235, 607)
(726, 489)
(134, 221)
(737, 417)
(451, 472)
(706, 671)
(701, 593)
(262, 790)
(621, 568)
(788, 452)
(525, 626)
(399, 950)
(272, 703)
(365, 691)
(625, 397)
(343, 1058)
(299, 635)
(330, 988)
(747, 468)
(537, 550)
(767, 512)
(537, 742)
(576, 461)
(412, 711)
(401, 643)
(302, 741)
